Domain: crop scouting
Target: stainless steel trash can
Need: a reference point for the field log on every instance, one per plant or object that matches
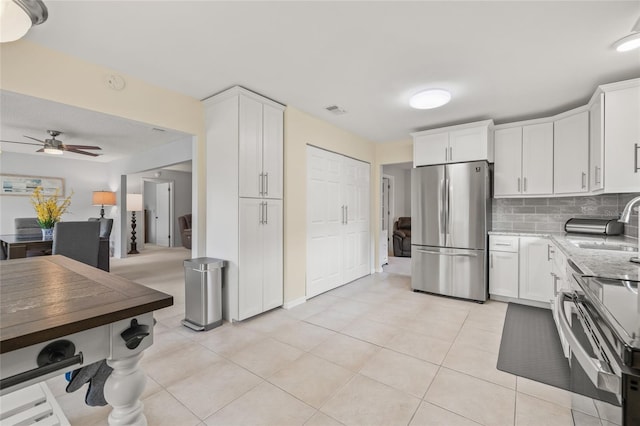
(203, 293)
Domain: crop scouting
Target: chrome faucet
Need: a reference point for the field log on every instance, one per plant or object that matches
(626, 216)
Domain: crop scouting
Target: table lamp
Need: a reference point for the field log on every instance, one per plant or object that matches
(134, 204)
(104, 198)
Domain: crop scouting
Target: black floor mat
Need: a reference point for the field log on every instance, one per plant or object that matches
(531, 348)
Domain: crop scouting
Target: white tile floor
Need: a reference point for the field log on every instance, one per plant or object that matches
(368, 353)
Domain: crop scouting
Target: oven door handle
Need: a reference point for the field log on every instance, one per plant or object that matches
(598, 373)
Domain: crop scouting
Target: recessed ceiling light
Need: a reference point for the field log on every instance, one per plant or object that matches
(432, 98)
(631, 41)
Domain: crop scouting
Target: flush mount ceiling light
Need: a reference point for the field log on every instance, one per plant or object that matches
(630, 42)
(432, 98)
(17, 16)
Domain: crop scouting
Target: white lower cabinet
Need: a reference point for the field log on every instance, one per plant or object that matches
(260, 256)
(535, 269)
(503, 273)
(520, 268)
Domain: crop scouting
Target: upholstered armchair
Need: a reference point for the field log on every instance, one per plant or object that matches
(185, 230)
(27, 226)
(402, 237)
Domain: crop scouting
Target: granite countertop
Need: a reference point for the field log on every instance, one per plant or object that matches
(593, 262)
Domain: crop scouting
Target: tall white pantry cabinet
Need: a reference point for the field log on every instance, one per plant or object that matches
(244, 169)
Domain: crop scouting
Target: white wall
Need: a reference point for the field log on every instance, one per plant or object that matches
(145, 183)
(80, 177)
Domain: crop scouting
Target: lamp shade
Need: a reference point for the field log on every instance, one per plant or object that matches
(104, 198)
(134, 202)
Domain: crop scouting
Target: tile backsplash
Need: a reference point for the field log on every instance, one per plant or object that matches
(550, 214)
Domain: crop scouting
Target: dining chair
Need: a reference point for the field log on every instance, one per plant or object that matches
(106, 225)
(77, 240)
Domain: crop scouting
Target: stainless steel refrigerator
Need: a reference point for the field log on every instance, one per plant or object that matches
(451, 215)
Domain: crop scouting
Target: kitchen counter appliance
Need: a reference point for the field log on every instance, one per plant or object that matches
(609, 349)
(451, 214)
(594, 226)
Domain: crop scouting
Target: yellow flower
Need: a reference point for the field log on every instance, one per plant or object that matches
(48, 209)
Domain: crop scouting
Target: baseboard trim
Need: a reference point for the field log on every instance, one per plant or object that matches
(507, 299)
(294, 303)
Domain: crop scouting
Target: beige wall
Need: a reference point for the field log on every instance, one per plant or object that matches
(33, 70)
(300, 130)
(74, 82)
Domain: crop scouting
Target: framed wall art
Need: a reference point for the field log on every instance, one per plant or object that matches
(24, 185)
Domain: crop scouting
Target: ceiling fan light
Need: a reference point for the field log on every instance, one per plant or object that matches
(17, 17)
(630, 42)
(54, 151)
(428, 99)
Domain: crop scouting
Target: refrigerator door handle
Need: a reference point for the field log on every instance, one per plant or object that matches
(438, 253)
(443, 217)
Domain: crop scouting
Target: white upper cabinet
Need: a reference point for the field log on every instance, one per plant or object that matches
(250, 147)
(596, 144)
(469, 144)
(272, 151)
(261, 149)
(430, 149)
(622, 137)
(537, 159)
(455, 144)
(524, 160)
(507, 171)
(571, 154)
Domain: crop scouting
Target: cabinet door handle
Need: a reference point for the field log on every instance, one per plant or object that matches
(266, 214)
(636, 147)
(260, 183)
(584, 180)
(550, 251)
(260, 214)
(346, 215)
(266, 186)
(503, 244)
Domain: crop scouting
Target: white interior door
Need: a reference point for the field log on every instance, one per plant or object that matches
(163, 214)
(324, 221)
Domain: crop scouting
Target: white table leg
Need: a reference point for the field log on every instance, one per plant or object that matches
(122, 391)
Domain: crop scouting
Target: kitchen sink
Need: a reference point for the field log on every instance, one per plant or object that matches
(604, 246)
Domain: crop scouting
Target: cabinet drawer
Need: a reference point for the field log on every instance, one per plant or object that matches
(503, 243)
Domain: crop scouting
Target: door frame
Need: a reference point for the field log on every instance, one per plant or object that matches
(172, 209)
(391, 214)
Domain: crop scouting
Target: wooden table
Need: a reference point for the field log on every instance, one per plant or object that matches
(44, 300)
(16, 246)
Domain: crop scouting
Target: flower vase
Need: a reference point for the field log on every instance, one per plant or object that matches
(47, 233)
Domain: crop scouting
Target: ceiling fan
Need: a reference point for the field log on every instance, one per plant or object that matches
(55, 146)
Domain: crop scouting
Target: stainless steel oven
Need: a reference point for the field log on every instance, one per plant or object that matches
(609, 349)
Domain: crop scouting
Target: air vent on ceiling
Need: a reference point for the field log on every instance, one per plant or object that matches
(335, 109)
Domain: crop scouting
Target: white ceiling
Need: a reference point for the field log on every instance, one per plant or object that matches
(25, 115)
(506, 60)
